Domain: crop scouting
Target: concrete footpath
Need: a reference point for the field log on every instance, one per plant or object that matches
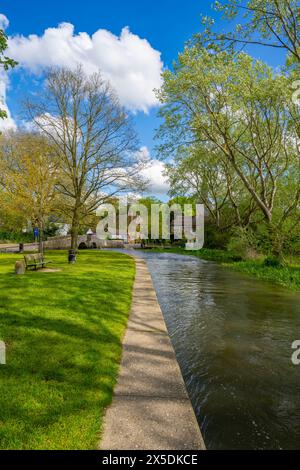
(151, 409)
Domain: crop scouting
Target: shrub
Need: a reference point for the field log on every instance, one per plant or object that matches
(214, 238)
(274, 262)
(179, 243)
(292, 245)
(243, 244)
(15, 237)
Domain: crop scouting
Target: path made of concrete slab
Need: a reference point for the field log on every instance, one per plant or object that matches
(151, 409)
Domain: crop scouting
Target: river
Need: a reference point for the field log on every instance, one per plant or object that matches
(232, 335)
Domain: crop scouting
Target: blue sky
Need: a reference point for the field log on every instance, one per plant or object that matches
(166, 25)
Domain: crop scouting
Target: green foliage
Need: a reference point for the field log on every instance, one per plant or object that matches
(288, 276)
(217, 255)
(239, 246)
(231, 130)
(215, 238)
(274, 262)
(242, 243)
(63, 332)
(17, 237)
(51, 229)
(292, 244)
(5, 61)
(182, 200)
(269, 23)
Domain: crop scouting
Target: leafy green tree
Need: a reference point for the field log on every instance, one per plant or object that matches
(29, 170)
(240, 111)
(147, 201)
(207, 177)
(271, 23)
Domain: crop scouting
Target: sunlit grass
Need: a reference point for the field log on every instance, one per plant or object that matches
(63, 333)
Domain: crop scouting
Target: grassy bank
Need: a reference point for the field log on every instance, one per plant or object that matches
(63, 333)
(288, 276)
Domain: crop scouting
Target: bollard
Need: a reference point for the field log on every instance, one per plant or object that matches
(2, 353)
(72, 256)
(20, 268)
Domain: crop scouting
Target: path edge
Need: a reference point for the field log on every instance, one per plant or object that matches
(111, 438)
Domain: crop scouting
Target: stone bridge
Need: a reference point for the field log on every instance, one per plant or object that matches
(84, 242)
(64, 243)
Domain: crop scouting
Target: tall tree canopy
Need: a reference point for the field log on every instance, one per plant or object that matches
(233, 109)
(29, 171)
(271, 23)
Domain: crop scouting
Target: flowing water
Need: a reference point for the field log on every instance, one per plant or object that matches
(232, 335)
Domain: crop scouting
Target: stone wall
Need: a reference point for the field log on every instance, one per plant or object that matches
(63, 243)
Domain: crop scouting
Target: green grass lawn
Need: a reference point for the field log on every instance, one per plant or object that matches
(63, 333)
(288, 276)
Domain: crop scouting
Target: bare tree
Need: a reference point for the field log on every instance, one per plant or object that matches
(93, 137)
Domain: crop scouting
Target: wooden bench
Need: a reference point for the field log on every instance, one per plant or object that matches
(35, 261)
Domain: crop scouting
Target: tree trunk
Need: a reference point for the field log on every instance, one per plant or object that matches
(74, 239)
(75, 229)
(276, 241)
(260, 203)
(41, 236)
(41, 241)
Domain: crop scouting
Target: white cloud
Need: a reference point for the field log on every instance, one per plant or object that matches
(144, 154)
(7, 123)
(130, 63)
(158, 182)
(153, 173)
(4, 23)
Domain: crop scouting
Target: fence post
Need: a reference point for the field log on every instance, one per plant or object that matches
(2, 353)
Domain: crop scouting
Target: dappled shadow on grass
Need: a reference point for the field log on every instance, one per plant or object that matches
(63, 332)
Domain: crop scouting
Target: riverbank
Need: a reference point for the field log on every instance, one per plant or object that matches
(63, 333)
(288, 276)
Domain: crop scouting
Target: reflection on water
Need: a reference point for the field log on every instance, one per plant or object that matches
(232, 335)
